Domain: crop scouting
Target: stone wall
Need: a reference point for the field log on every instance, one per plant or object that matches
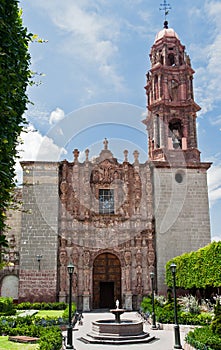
(181, 214)
(39, 236)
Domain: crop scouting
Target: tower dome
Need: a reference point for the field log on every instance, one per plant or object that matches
(166, 32)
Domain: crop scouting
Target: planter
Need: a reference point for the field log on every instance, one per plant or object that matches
(188, 347)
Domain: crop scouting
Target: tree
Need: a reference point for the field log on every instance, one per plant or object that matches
(14, 79)
(199, 269)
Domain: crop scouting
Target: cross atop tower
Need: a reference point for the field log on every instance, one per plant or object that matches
(165, 7)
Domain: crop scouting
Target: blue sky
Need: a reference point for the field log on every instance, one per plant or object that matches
(94, 64)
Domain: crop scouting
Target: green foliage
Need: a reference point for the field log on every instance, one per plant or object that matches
(41, 306)
(50, 339)
(146, 305)
(66, 311)
(216, 324)
(14, 75)
(195, 319)
(50, 335)
(200, 269)
(209, 337)
(7, 307)
(164, 312)
(204, 339)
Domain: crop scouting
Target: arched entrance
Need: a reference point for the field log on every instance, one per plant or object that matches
(106, 281)
(9, 287)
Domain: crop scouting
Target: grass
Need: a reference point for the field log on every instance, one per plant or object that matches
(49, 313)
(5, 344)
(9, 345)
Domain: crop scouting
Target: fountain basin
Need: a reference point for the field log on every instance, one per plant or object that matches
(111, 332)
(125, 327)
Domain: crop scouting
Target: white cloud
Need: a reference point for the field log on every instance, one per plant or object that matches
(208, 94)
(216, 238)
(56, 115)
(36, 147)
(92, 35)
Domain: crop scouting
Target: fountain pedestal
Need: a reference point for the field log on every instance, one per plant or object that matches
(117, 313)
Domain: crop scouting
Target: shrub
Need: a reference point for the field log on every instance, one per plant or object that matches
(189, 304)
(216, 323)
(165, 316)
(66, 311)
(50, 335)
(164, 311)
(146, 305)
(41, 306)
(204, 339)
(50, 339)
(7, 307)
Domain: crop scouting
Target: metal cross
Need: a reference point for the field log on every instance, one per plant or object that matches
(165, 7)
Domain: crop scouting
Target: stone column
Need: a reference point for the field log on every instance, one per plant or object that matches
(128, 293)
(86, 293)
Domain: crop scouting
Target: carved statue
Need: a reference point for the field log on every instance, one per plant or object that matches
(63, 278)
(86, 279)
(127, 257)
(87, 258)
(127, 278)
(74, 284)
(63, 258)
(139, 279)
(75, 256)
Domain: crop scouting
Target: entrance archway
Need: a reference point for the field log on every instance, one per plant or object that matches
(9, 287)
(106, 281)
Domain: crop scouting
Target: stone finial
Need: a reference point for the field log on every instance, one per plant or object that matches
(187, 60)
(126, 155)
(105, 143)
(76, 154)
(165, 24)
(136, 156)
(86, 154)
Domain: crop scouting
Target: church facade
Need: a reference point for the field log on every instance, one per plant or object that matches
(117, 221)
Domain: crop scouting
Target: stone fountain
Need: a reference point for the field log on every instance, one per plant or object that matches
(118, 331)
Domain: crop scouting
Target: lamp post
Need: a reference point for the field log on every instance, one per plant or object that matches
(153, 308)
(69, 328)
(39, 257)
(176, 325)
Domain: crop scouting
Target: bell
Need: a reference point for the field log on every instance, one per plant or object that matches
(176, 143)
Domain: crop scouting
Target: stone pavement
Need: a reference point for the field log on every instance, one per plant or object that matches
(164, 339)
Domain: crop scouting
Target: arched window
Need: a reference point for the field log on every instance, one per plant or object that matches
(176, 133)
(171, 59)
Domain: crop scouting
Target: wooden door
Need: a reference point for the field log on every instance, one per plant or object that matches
(106, 281)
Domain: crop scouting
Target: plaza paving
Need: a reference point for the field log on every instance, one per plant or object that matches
(164, 339)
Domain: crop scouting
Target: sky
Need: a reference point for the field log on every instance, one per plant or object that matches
(90, 73)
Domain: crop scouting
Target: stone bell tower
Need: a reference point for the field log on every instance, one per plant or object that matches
(179, 177)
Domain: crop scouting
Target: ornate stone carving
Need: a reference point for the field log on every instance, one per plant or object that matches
(139, 280)
(83, 205)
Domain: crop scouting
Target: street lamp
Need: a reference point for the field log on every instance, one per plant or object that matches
(39, 257)
(153, 310)
(176, 325)
(69, 328)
